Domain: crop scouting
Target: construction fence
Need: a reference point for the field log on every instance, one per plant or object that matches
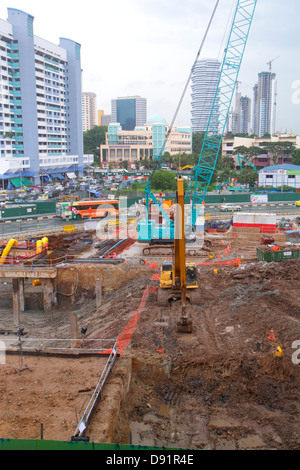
(15, 444)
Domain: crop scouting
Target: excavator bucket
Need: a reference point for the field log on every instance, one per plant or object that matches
(185, 325)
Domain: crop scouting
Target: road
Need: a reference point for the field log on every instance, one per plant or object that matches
(287, 210)
(42, 225)
(35, 226)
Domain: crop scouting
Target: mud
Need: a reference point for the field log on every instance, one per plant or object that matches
(224, 386)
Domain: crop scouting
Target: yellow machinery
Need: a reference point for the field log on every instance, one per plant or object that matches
(179, 279)
(7, 249)
(186, 167)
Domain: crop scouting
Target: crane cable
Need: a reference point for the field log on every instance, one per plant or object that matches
(187, 84)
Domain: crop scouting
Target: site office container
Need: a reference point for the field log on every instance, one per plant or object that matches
(276, 256)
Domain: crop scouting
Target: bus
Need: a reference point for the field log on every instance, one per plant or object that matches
(87, 209)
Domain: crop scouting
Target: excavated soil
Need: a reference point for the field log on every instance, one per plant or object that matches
(223, 386)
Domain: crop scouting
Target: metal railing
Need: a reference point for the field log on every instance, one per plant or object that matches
(54, 345)
(88, 414)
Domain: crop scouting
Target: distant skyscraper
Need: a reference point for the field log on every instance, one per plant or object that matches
(205, 80)
(244, 115)
(130, 112)
(255, 110)
(106, 120)
(239, 119)
(89, 111)
(264, 99)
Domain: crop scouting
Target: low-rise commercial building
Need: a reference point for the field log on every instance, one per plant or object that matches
(231, 144)
(145, 142)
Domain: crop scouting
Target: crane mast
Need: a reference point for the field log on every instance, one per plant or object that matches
(232, 61)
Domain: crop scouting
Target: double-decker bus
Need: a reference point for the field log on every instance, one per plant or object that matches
(87, 209)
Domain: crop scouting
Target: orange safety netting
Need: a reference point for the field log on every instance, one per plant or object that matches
(233, 262)
(126, 335)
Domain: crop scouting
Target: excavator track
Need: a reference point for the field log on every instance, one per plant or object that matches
(168, 250)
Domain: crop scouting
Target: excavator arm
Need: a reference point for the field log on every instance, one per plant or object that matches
(180, 258)
(184, 324)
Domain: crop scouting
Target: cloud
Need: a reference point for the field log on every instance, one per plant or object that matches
(148, 47)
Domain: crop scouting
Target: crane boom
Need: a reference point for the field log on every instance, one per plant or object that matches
(233, 56)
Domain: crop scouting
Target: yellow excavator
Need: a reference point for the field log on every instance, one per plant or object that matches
(178, 280)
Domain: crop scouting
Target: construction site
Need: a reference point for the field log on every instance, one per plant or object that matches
(100, 356)
(163, 330)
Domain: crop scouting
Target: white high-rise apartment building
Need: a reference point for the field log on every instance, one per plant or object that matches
(264, 111)
(40, 102)
(205, 80)
(89, 111)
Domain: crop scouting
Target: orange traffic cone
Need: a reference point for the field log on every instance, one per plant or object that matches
(219, 256)
(272, 337)
(225, 252)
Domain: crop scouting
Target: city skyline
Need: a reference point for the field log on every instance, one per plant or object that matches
(153, 58)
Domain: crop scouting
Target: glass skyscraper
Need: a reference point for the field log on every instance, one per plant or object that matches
(129, 112)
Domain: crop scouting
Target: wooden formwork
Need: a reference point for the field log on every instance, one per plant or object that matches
(254, 234)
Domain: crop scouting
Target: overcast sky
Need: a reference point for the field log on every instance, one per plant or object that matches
(148, 47)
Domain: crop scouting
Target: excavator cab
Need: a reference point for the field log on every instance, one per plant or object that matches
(191, 276)
(167, 276)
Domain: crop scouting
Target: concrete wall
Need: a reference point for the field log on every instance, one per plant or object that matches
(81, 279)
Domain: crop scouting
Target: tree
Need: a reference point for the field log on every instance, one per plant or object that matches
(198, 138)
(164, 180)
(93, 139)
(226, 174)
(248, 176)
(278, 150)
(226, 161)
(249, 153)
(296, 157)
(167, 159)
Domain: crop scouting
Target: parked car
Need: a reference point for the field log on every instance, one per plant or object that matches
(230, 208)
(52, 193)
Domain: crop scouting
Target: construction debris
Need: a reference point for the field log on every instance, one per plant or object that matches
(225, 385)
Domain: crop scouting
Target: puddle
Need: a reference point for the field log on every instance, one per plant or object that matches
(140, 434)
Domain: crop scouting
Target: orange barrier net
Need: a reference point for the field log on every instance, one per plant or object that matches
(232, 262)
(127, 333)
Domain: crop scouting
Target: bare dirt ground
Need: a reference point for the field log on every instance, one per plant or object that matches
(226, 388)
(51, 393)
